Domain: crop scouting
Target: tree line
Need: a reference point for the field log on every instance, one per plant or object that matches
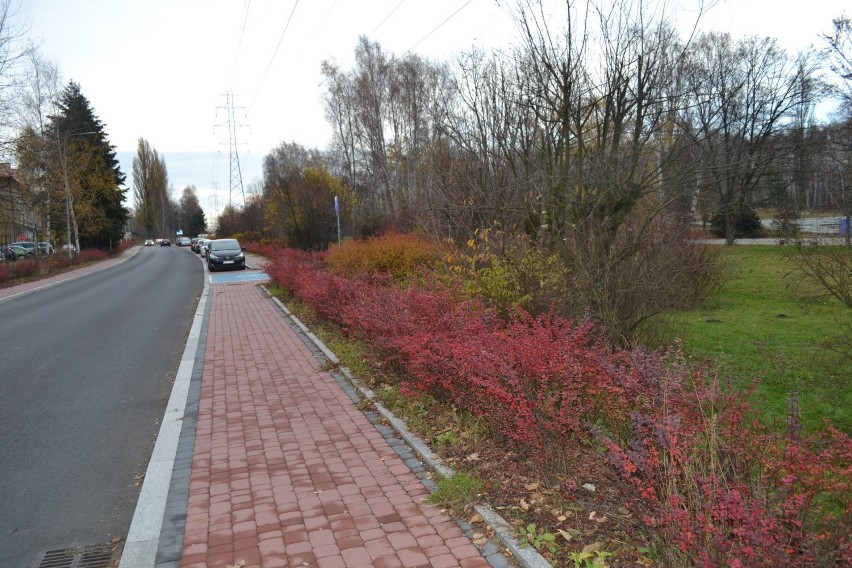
(595, 141)
(155, 209)
(69, 185)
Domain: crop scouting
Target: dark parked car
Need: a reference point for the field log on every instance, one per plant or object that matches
(225, 253)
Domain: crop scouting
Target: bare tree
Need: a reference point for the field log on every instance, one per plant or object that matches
(37, 148)
(491, 135)
(839, 57)
(602, 88)
(744, 94)
(14, 52)
(386, 118)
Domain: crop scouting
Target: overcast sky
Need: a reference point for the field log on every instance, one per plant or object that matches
(159, 69)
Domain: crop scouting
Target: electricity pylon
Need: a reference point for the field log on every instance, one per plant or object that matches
(235, 190)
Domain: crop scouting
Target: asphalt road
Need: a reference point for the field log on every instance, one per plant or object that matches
(85, 371)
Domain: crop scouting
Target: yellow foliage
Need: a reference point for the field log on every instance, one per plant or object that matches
(396, 253)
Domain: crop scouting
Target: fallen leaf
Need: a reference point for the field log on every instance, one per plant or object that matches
(473, 457)
(593, 516)
(239, 564)
(532, 486)
(477, 518)
(117, 539)
(561, 518)
(524, 505)
(589, 548)
(565, 534)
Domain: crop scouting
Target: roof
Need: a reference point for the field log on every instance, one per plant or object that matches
(8, 172)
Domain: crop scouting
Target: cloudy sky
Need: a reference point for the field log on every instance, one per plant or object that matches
(160, 69)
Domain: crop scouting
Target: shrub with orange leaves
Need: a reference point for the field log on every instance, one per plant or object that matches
(395, 253)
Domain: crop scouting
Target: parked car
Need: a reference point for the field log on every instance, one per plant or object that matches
(198, 242)
(182, 241)
(225, 253)
(45, 247)
(202, 247)
(30, 246)
(165, 243)
(14, 251)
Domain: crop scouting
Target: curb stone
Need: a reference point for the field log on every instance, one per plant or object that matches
(526, 555)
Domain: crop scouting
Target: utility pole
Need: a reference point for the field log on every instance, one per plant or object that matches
(235, 190)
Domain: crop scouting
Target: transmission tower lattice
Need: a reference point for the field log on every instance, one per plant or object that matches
(235, 190)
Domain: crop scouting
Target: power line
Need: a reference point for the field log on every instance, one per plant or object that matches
(242, 33)
(450, 17)
(324, 18)
(386, 17)
(274, 53)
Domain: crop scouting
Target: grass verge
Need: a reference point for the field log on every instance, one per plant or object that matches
(764, 323)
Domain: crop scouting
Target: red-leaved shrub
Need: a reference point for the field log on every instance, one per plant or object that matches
(22, 268)
(89, 255)
(716, 486)
(265, 249)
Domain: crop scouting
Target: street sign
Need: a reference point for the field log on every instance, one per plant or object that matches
(179, 232)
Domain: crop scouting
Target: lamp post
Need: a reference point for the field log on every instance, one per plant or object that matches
(69, 199)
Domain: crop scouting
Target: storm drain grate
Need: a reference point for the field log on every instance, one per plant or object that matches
(94, 556)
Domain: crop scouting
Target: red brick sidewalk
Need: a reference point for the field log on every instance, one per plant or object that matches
(286, 470)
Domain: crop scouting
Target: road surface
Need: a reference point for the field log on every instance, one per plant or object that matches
(85, 370)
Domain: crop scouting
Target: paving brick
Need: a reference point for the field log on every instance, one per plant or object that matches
(286, 471)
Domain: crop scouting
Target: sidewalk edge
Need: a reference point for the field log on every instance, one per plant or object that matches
(143, 538)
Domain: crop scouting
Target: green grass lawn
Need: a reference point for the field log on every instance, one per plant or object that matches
(764, 322)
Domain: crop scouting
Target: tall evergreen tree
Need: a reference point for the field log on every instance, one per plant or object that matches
(94, 175)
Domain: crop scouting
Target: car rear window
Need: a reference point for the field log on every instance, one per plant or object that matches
(225, 244)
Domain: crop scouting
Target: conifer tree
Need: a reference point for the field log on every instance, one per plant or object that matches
(94, 175)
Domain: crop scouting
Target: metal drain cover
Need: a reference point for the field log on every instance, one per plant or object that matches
(94, 556)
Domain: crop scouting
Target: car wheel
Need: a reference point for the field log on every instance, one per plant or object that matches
(211, 268)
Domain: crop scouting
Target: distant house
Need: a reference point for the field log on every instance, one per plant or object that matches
(16, 220)
(133, 229)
